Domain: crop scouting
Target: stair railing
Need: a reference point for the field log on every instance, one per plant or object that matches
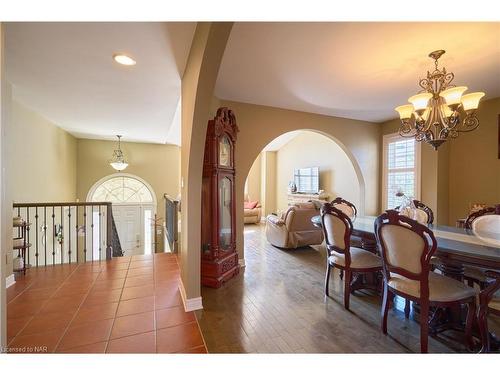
(67, 232)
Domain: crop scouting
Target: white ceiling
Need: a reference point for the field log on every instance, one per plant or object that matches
(65, 72)
(353, 70)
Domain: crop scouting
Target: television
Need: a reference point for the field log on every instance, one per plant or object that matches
(306, 180)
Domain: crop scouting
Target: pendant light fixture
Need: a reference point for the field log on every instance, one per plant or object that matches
(440, 111)
(118, 161)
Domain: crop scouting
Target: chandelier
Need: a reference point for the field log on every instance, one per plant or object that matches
(118, 160)
(440, 111)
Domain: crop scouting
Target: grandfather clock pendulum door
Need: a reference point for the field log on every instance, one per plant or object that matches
(219, 259)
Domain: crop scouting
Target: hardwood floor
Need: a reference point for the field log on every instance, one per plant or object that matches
(277, 305)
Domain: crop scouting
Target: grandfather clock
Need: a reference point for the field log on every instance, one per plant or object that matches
(219, 259)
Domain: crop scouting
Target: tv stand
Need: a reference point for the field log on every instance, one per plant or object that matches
(294, 198)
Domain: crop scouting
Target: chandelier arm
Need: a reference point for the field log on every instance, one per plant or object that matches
(407, 135)
(470, 122)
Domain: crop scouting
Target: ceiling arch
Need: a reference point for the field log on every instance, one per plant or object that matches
(360, 70)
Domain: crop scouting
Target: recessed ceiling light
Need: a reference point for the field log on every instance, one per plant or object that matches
(124, 59)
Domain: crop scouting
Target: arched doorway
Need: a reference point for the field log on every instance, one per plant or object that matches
(338, 175)
(134, 207)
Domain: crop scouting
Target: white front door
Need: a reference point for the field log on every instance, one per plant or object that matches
(128, 225)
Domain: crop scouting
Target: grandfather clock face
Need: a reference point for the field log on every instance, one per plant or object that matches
(224, 152)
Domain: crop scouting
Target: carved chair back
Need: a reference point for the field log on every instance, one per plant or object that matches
(346, 207)
(337, 229)
(478, 216)
(422, 206)
(406, 248)
(426, 210)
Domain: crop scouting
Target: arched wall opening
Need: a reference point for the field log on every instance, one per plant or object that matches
(268, 177)
(259, 125)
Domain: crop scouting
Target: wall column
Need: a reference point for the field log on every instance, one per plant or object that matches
(198, 82)
(434, 181)
(3, 226)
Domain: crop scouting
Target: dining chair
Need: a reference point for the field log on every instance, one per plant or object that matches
(425, 215)
(346, 207)
(423, 212)
(337, 229)
(351, 211)
(489, 303)
(406, 247)
(486, 219)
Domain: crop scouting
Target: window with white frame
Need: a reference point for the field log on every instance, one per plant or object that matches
(401, 170)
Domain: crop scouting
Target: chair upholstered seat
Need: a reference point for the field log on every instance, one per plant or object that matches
(359, 258)
(441, 288)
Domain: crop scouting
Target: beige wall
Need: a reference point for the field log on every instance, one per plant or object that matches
(268, 182)
(309, 149)
(157, 164)
(465, 171)
(39, 162)
(41, 158)
(253, 181)
(3, 228)
(474, 165)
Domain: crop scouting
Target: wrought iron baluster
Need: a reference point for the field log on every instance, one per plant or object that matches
(36, 236)
(100, 238)
(45, 234)
(27, 250)
(92, 231)
(53, 236)
(19, 228)
(76, 233)
(62, 236)
(69, 234)
(85, 234)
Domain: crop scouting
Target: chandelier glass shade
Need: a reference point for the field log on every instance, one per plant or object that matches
(118, 161)
(440, 111)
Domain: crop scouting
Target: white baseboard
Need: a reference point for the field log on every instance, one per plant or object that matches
(241, 262)
(10, 280)
(190, 304)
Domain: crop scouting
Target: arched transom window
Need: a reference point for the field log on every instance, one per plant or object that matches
(122, 189)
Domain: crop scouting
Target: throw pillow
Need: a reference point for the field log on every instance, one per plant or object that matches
(250, 205)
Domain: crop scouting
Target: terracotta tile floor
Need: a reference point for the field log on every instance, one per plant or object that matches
(126, 305)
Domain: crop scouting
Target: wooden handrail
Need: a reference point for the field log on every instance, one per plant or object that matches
(169, 198)
(171, 217)
(61, 204)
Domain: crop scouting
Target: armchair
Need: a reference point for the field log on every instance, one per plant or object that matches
(294, 227)
(252, 211)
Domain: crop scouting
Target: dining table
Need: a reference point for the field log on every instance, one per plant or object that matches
(457, 249)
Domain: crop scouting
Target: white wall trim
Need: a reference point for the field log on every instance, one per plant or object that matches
(9, 281)
(241, 262)
(190, 304)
